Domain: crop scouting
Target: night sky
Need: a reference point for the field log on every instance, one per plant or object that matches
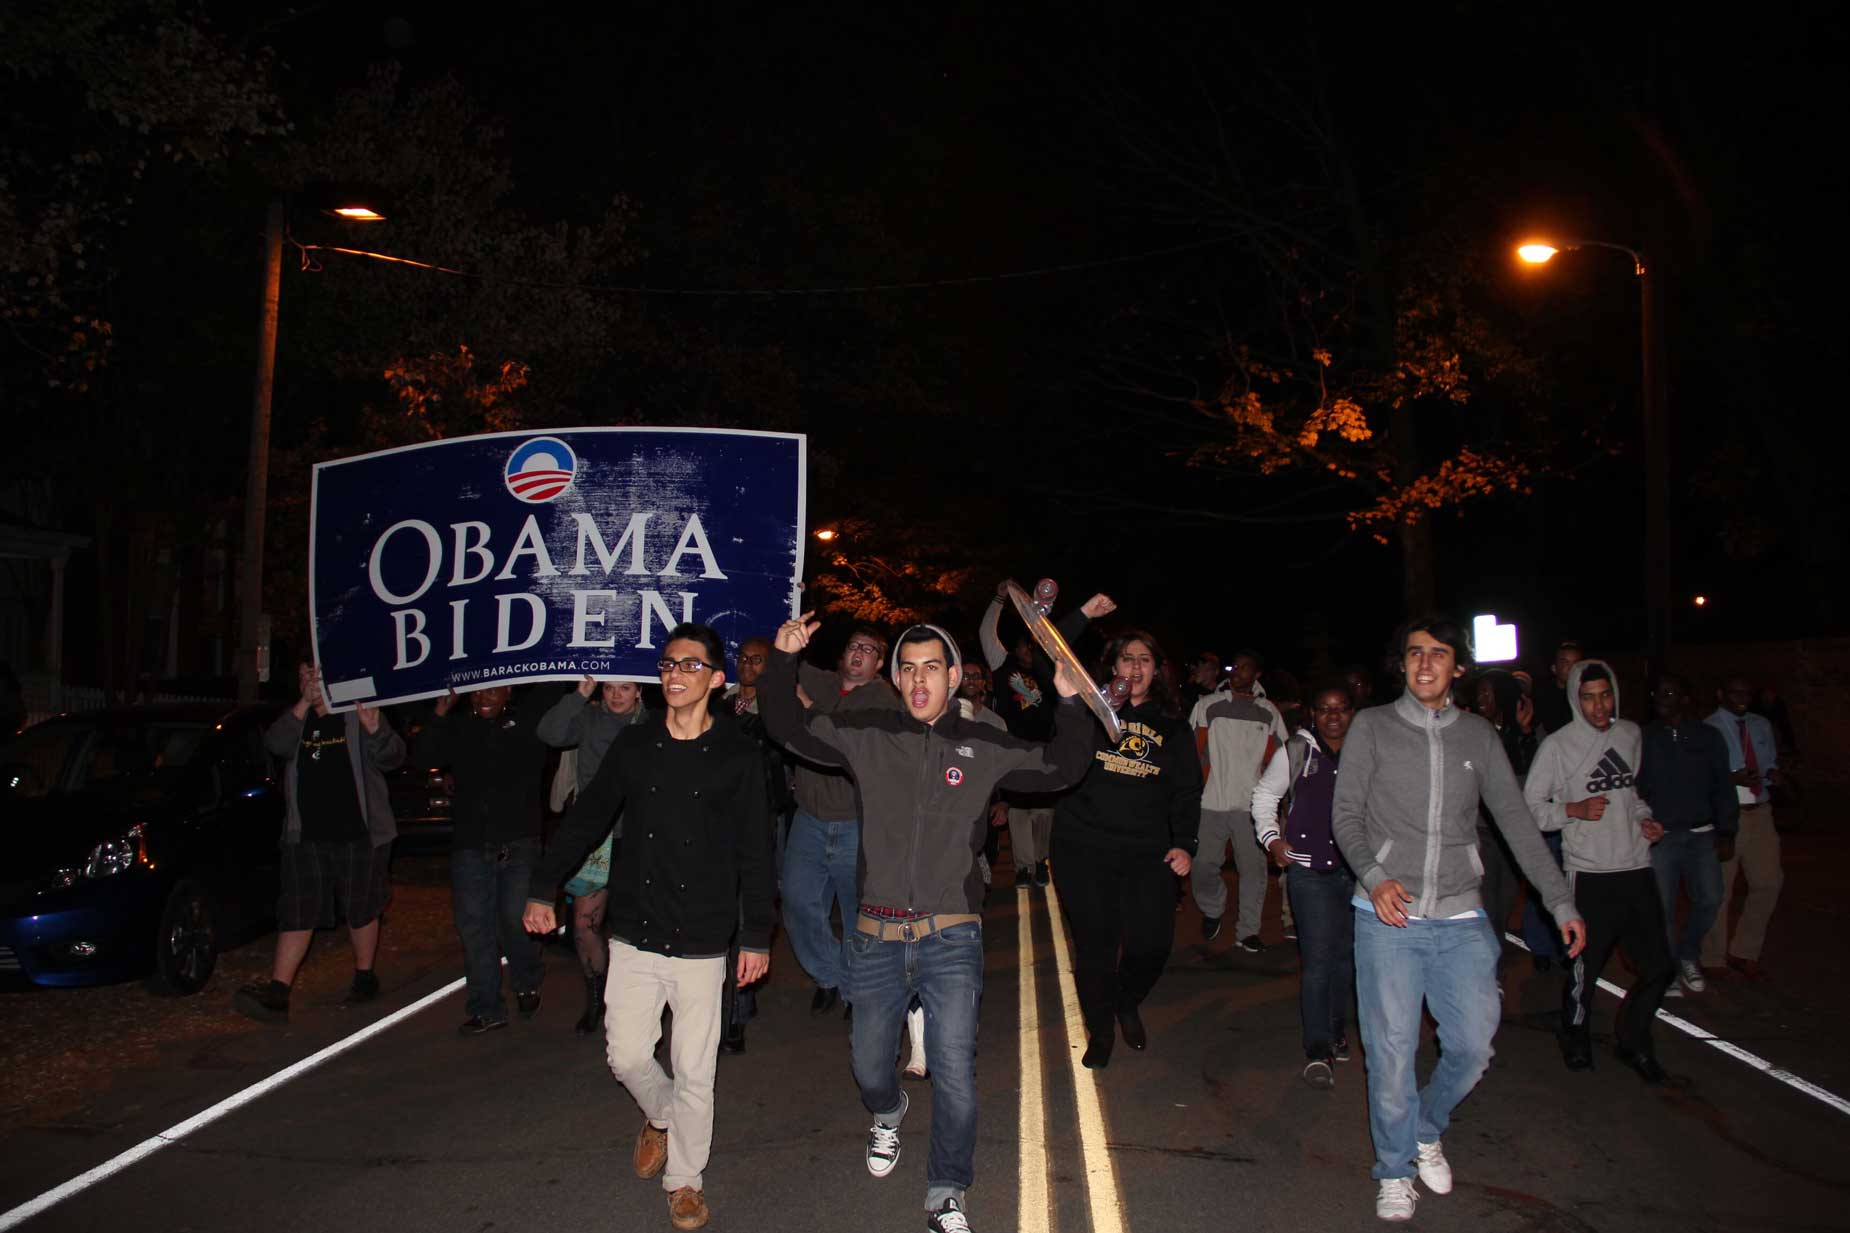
(1041, 422)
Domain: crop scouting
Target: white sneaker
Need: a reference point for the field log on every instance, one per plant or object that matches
(1693, 979)
(882, 1149)
(1395, 1199)
(948, 1218)
(1434, 1171)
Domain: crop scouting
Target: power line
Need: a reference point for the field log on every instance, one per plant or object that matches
(863, 288)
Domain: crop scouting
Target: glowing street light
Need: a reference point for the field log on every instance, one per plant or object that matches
(1656, 455)
(826, 534)
(357, 214)
(1701, 601)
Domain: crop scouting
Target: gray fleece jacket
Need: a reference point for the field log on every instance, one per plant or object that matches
(1406, 808)
(1580, 761)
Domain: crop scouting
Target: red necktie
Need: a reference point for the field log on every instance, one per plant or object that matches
(1752, 759)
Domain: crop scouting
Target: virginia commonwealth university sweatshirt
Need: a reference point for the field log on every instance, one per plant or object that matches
(1406, 808)
(1580, 761)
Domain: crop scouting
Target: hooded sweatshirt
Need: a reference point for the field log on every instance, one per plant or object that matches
(1580, 761)
(1141, 796)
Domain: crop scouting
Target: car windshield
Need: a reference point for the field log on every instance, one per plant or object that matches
(79, 755)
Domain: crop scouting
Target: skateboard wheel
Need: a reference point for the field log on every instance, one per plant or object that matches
(1045, 592)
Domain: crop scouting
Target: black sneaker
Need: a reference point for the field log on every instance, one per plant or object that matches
(1320, 1074)
(475, 1025)
(1024, 877)
(527, 1003)
(1340, 1049)
(266, 1001)
(1210, 928)
(1041, 875)
(365, 989)
(949, 1218)
(1251, 944)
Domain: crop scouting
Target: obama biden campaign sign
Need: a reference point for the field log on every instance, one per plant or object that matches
(534, 556)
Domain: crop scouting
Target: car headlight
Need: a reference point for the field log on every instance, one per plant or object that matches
(118, 855)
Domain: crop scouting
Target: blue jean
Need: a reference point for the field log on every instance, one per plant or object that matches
(819, 869)
(1450, 966)
(945, 972)
(488, 893)
(1688, 857)
(1326, 953)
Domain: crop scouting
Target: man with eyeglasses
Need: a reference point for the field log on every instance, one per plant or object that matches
(824, 845)
(696, 847)
(925, 777)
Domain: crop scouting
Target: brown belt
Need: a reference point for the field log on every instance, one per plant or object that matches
(914, 929)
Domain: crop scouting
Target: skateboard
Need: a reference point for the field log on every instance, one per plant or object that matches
(1033, 610)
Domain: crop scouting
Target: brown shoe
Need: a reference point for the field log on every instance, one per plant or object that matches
(1749, 969)
(651, 1153)
(687, 1208)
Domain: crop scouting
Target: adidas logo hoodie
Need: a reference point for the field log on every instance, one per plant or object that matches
(1580, 761)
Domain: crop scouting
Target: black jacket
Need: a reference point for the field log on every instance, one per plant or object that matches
(499, 766)
(696, 847)
(924, 790)
(1143, 794)
(1683, 775)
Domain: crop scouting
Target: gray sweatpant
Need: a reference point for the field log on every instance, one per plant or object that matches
(1217, 830)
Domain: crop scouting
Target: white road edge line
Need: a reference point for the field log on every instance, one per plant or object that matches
(1102, 1194)
(180, 1130)
(1034, 1199)
(1797, 1084)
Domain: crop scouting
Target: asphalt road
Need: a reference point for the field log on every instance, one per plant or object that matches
(419, 1129)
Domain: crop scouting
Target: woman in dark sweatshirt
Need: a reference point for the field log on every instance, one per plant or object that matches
(1120, 840)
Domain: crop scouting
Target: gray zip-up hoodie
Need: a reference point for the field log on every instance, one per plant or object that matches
(1406, 808)
(1580, 761)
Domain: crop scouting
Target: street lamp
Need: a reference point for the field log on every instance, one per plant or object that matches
(1656, 441)
(257, 466)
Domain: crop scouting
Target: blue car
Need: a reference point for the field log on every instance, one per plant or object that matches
(140, 841)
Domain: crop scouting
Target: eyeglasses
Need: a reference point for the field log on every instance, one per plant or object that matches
(865, 648)
(687, 667)
(751, 659)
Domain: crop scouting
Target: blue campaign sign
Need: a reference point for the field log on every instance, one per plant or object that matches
(535, 556)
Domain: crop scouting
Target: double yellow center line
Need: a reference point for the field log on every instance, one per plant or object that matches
(1105, 1203)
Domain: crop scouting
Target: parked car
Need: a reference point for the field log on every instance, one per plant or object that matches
(421, 803)
(420, 794)
(140, 840)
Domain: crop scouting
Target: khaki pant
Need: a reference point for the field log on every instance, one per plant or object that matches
(1756, 855)
(640, 984)
(1028, 833)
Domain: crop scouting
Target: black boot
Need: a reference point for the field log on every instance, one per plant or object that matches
(593, 1018)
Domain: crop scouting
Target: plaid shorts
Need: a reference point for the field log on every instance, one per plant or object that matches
(325, 884)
